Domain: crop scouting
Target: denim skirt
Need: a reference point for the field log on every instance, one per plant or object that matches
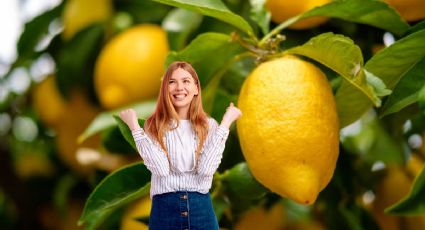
(182, 210)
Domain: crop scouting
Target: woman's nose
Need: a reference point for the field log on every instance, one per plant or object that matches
(179, 85)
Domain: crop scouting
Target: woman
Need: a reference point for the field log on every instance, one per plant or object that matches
(182, 147)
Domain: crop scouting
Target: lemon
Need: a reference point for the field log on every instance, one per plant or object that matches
(289, 132)
(410, 10)
(47, 95)
(394, 186)
(283, 10)
(78, 14)
(139, 209)
(77, 116)
(130, 66)
(259, 218)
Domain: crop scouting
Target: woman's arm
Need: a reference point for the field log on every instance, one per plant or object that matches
(154, 159)
(217, 135)
(213, 149)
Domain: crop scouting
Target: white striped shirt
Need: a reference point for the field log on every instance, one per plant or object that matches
(181, 177)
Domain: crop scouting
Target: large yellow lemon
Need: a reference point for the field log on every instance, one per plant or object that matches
(130, 66)
(139, 209)
(289, 132)
(48, 102)
(410, 10)
(78, 14)
(283, 10)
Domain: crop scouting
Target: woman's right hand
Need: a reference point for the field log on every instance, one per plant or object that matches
(130, 118)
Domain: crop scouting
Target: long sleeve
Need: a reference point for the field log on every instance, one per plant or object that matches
(213, 149)
(154, 159)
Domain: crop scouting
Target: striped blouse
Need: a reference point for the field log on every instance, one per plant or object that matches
(181, 144)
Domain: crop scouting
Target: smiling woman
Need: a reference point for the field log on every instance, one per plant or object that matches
(182, 147)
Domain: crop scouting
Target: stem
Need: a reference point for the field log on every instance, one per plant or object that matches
(277, 30)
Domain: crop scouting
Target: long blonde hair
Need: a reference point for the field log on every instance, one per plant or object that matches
(159, 122)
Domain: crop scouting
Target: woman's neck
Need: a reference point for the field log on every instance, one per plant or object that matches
(183, 114)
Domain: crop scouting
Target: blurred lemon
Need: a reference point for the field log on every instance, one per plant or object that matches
(130, 66)
(48, 102)
(32, 164)
(78, 14)
(289, 132)
(410, 10)
(283, 10)
(305, 225)
(138, 209)
(392, 188)
(260, 218)
(51, 219)
(77, 116)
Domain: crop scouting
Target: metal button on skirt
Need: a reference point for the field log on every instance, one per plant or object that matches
(182, 210)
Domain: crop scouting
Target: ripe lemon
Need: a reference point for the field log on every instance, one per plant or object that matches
(283, 10)
(46, 95)
(77, 116)
(139, 209)
(410, 10)
(259, 218)
(289, 132)
(78, 14)
(130, 66)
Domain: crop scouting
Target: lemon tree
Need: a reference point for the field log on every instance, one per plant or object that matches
(332, 130)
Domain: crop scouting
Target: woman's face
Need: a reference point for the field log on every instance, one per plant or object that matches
(182, 88)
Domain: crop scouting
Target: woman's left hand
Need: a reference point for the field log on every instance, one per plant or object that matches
(232, 114)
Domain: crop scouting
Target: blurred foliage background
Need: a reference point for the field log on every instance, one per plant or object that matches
(80, 62)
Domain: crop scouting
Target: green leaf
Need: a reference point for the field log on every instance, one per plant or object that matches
(414, 203)
(421, 98)
(105, 120)
(239, 181)
(390, 65)
(207, 53)
(213, 8)
(260, 14)
(77, 58)
(407, 90)
(126, 132)
(34, 31)
(378, 86)
(116, 190)
(201, 47)
(114, 142)
(369, 12)
(179, 24)
(143, 11)
(340, 54)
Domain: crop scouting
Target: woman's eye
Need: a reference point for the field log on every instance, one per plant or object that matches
(186, 81)
(170, 82)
